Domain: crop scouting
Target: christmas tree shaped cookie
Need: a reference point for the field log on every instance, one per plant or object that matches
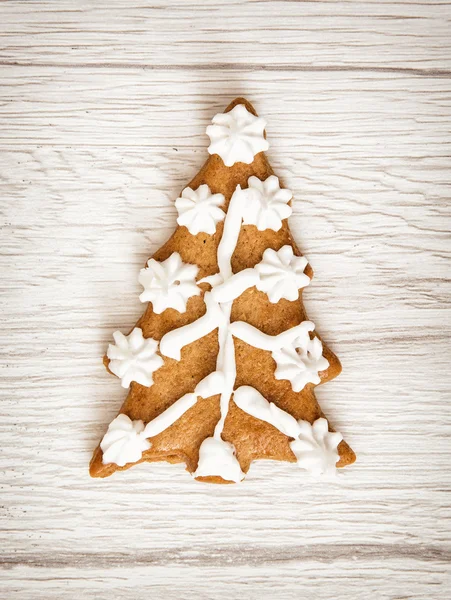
(221, 368)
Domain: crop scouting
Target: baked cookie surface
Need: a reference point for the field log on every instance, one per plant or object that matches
(221, 368)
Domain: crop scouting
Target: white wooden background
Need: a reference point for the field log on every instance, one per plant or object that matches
(103, 108)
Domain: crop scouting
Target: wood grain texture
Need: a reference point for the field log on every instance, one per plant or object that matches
(268, 34)
(95, 145)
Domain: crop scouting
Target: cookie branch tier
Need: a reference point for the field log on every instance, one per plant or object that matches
(240, 358)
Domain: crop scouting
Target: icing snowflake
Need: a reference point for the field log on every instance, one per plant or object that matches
(134, 358)
(218, 457)
(282, 274)
(267, 204)
(300, 362)
(237, 136)
(315, 447)
(199, 210)
(168, 284)
(124, 442)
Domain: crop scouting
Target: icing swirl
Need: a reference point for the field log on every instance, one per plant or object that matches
(315, 448)
(199, 210)
(267, 204)
(134, 358)
(300, 362)
(237, 136)
(168, 284)
(281, 274)
(124, 442)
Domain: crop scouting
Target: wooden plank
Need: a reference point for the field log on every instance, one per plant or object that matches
(362, 114)
(351, 577)
(247, 34)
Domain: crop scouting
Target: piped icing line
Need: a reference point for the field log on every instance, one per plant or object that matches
(299, 359)
(216, 456)
(233, 287)
(172, 342)
(313, 445)
(253, 403)
(231, 233)
(254, 337)
(126, 440)
(209, 386)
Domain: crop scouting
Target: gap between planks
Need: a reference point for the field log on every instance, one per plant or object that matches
(234, 67)
(237, 555)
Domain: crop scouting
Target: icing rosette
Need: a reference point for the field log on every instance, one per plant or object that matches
(281, 274)
(168, 284)
(300, 362)
(237, 136)
(267, 203)
(315, 448)
(134, 358)
(124, 442)
(199, 210)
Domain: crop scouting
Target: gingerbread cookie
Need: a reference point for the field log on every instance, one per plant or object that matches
(222, 366)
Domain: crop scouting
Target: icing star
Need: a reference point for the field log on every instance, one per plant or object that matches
(199, 210)
(300, 362)
(134, 358)
(237, 136)
(168, 284)
(315, 447)
(266, 204)
(124, 442)
(282, 274)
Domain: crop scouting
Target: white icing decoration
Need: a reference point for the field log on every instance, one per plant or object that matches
(233, 287)
(217, 316)
(253, 403)
(217, 457)
(211, 385)
(199, 210)
(172, 343)
(124, 442)
(237, 136)
(226, 287)
(254, 337)
(281, 274)
(267, 203)
(314, 446)
(300, 362)
(168, 284)
(134, 358)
